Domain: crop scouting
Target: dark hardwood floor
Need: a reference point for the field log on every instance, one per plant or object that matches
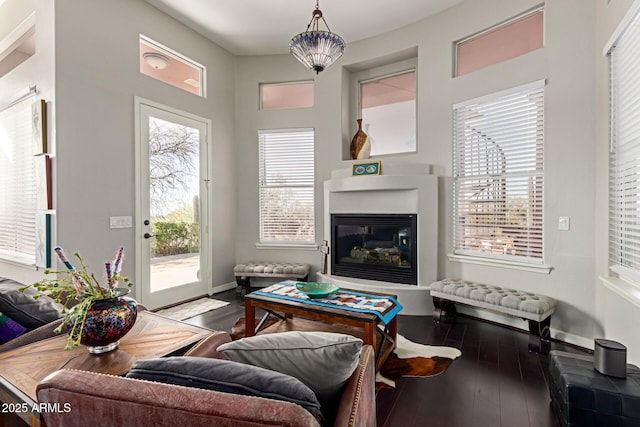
(496, 381)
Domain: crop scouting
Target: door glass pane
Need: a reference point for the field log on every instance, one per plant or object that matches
(174, 204)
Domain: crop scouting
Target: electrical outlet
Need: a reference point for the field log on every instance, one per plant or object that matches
(120, 222)
(563, 223)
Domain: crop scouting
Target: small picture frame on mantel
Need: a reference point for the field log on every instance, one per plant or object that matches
(369, 168)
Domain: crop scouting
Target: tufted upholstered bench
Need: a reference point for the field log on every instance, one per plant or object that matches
(281, 270)
(536, 309)
(582, 396)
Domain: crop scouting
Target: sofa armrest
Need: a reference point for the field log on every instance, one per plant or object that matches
(86, 398)
(358, 401)
(207, 347)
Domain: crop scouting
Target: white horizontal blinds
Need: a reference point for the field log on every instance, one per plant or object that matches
(287, 186)
(624, 204)
(17, 183)
(498, 175)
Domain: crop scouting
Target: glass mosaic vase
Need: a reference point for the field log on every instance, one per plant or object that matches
(107, 321)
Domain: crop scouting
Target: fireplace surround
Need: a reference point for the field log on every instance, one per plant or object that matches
(400, 189)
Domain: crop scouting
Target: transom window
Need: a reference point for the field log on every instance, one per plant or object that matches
(171, 67)
(278, 96)
(498, 174)
(287, 186)
(520, 35)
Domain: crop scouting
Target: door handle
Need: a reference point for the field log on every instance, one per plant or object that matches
(148, 236)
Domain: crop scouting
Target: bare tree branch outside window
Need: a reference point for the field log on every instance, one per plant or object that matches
(173, 160)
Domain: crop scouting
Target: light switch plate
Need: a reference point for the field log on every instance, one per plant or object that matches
(563, 223)
(120, 222)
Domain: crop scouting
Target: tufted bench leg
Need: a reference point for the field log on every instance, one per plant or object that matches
(445, 310)
(539, 334)
(243, 285)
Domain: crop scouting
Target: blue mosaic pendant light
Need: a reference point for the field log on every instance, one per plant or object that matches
(317, 49)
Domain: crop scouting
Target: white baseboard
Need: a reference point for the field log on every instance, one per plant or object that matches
(523, 324)
(572, 339)
(223, 287)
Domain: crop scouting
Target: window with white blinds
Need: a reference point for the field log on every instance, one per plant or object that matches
(287, 186)
(17, 184)
(498, 175)
(624, 168)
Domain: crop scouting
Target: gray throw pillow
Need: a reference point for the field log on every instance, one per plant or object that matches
(228, 377)
(324, 361)
(21, 307)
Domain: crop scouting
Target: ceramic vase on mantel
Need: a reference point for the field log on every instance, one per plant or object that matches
(107, 321)
(360, 144)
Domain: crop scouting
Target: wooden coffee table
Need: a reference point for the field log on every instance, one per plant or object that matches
(21, 369)
(300, 316)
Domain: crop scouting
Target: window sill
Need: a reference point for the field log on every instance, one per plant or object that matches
(627, 290)
(18, 261)
(296, 246)
(535, 268)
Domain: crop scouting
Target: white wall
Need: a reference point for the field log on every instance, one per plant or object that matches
(566, 61)
(323, 116)
(96, 78)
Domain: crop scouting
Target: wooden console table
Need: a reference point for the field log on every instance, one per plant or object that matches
(367, 326)
(21, 369)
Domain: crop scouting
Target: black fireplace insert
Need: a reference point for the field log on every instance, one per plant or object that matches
(375, 246)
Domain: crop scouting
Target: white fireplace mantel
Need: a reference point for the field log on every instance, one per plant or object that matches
(400, 189)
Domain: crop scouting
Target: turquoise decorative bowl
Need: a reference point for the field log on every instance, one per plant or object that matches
(316, 289)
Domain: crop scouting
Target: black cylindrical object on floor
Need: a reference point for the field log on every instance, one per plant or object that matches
(610, 358)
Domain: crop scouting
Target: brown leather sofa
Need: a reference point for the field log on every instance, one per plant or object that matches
(102, 400)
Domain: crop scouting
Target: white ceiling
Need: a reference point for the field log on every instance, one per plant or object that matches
(260, 27)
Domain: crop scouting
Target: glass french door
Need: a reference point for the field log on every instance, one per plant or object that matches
(171, 205)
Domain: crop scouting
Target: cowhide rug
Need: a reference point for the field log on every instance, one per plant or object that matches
(409, 359)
